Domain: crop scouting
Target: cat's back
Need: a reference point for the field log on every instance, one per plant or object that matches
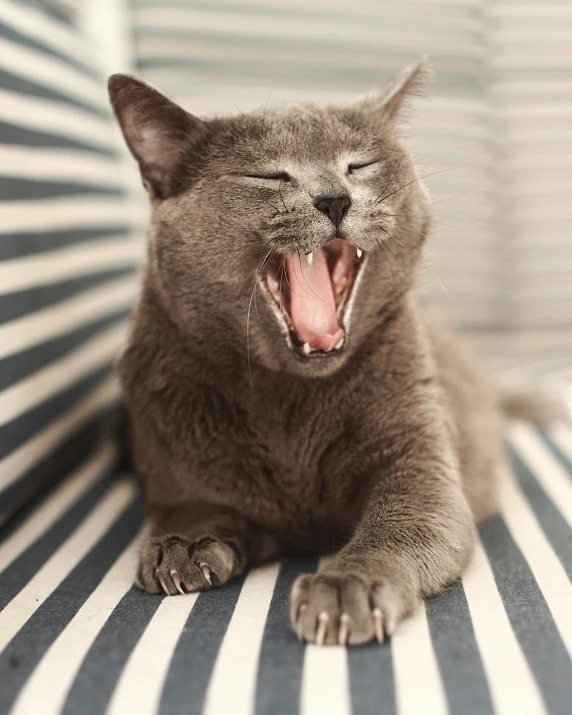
(473, 405)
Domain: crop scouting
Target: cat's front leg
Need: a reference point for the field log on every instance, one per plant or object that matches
(199, 546)
(414, 538)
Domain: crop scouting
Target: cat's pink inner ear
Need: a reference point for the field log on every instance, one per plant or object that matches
(156, 130)
(152, 144)
(157, 152)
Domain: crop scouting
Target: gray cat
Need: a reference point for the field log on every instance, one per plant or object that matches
(286, 392)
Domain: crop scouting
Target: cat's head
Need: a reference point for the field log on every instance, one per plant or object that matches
(290, 232)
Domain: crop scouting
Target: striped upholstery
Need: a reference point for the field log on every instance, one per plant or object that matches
(532, 85)
(498, 122)
(66, 252)
(77, 638)
(64, 10)
(529, 356)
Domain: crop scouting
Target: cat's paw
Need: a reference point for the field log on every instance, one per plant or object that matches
(347, 607)
(173, 564)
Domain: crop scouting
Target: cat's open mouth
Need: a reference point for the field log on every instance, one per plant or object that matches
(314, 293)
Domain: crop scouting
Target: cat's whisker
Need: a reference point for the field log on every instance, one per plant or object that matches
(425, 266)
(285, 274)
(479, 268)
(386, 244)
(386, 187)
(388, 261)
(469, 218)
(258, 273)
(248, 339)
(281, 197)
(266, 258)
(456, 196)
(368, 91)
(278, 212)
(424, 176)
(266, 105)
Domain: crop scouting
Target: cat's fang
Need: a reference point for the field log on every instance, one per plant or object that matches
(359, 252)
(306, 349)
(310, 257)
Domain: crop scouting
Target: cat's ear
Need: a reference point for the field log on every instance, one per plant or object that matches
(157, 131)
(390, 99)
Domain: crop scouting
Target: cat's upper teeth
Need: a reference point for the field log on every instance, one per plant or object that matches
(310, 257)
(359, 252)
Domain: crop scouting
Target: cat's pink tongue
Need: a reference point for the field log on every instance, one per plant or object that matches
(312, 302)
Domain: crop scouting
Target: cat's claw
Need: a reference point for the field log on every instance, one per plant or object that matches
(344, 630)
(299, 629)
(323, 623)
(377, 617)
(162, 582)
(346, 607)
(176, 576)
(174, 564)
(207, 574)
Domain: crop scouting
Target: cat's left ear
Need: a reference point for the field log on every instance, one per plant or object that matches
(389, 100)
(158, 132)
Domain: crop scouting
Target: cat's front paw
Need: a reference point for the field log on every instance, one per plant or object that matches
(339, 606)
(174, 564)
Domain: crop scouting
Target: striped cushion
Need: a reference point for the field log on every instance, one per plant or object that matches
(64, 10)
(77, 638)
(66, 252)
(532, 92)
(531, 357)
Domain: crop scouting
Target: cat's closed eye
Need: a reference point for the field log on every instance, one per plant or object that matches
(271, 176)
(363, 165)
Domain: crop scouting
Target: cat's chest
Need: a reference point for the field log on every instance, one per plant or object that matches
(307, 462)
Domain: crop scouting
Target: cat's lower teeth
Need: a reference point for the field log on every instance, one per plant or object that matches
(306, 349)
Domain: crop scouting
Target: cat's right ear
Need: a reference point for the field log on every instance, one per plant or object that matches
(157, 131)
(388, 102)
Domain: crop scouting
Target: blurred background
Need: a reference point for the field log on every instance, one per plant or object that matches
(494, 137)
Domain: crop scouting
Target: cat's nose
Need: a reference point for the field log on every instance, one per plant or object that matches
(335, 207)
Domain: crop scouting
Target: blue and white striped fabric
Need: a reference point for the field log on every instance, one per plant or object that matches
(77, 638)
(67, 254)
(531, 92)
(63, 10)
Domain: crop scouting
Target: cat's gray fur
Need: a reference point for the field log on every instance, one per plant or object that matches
(385, 455)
